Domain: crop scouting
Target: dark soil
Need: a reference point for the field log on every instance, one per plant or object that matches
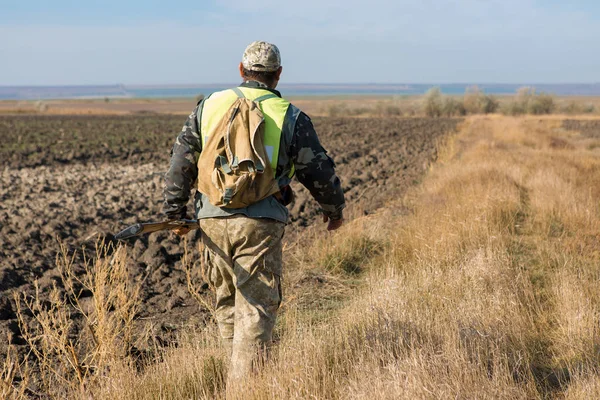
(76, 179)
(34, 140)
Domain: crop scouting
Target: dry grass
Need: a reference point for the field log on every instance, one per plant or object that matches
(489, 288)
(71, 359)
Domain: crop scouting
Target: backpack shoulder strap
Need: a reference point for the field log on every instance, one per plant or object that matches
(199, 116)
(264, 97)
(239, 93)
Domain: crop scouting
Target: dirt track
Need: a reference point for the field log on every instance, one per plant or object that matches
(76, 179)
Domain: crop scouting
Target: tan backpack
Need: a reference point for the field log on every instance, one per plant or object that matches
(233, 167)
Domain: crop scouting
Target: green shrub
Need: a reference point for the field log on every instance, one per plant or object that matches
(577, 108)
(588, 109)
(433, 102)
(512, 108)
(541, 104)
(453, 107)
(488, 104)
(474, 101)
(393, 111)
(477, 102)
(384, 109)
(528, 101)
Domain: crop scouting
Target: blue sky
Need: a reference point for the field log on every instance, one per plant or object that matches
(384, 41)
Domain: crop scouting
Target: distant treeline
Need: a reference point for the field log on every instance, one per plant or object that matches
(526, 101)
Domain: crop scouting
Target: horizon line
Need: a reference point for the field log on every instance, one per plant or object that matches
(172, 85)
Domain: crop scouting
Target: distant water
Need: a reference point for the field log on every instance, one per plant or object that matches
(187, 91)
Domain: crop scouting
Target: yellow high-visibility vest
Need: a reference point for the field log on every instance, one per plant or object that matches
(274, 109)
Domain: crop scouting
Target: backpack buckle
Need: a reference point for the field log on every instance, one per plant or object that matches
(224, 165)
(227, 195)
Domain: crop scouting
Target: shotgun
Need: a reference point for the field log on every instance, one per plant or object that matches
(149, 227)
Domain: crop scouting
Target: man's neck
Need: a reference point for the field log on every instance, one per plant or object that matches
(254, 82)
(259, 85)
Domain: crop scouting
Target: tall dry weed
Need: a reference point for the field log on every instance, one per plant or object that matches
(83, 329)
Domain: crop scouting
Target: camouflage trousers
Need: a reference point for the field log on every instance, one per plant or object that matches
(243, 260)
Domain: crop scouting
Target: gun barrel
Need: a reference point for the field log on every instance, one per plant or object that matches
(128, 232)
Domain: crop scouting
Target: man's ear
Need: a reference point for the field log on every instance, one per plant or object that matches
(241, 67)
(279, 72)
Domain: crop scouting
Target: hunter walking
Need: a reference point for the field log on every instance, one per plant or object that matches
(240, 149)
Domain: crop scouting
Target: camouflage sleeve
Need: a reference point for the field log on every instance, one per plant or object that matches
(315, 169)
(183, 169)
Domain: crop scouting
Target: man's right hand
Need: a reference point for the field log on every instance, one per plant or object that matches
(183, 230)
(333, 223)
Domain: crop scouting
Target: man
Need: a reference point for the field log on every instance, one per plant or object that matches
(243, 248)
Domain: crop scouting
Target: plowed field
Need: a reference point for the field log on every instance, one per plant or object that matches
(75, 179)
(588, 128)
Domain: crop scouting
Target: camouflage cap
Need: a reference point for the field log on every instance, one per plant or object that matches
(261, 56)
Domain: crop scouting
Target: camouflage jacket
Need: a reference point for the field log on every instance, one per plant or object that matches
(314, 169)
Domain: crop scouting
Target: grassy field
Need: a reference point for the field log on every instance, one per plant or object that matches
(483, 282)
